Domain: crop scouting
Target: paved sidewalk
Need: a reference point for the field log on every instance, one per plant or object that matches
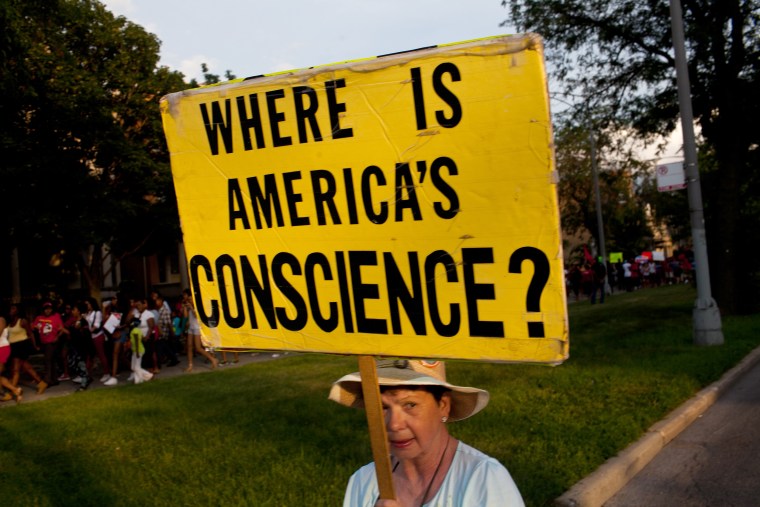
(704, 453)
(65, 388)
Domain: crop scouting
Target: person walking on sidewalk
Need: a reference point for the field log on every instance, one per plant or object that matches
(5, 353)
(194, 333)
(136, 338)
(23, 345)
(149, 331)
(49, 328)
(120, 339)
(94, 319)
(599, 274)
(235, 360)
(164, 347)
(80, 346)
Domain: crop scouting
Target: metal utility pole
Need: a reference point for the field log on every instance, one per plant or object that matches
(597, 194)
(707, 324)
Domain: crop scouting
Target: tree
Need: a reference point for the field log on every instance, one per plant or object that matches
(84, 153)
(209, 78)
(619, 53)
(625, 222)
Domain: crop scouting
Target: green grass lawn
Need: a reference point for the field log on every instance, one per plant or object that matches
(266, 435)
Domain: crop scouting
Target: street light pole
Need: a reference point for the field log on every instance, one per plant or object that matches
(598, 197)
(707, 323)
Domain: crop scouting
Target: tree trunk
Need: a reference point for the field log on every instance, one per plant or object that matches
(726, 276)
(91, 267)
(722, 246)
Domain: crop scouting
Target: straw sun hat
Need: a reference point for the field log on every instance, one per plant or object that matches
(465, 401)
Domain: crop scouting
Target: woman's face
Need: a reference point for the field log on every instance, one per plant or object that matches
(413, 422)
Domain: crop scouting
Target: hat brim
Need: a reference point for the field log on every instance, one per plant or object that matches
(465, 401)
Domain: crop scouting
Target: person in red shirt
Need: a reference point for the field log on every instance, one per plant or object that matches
(49, 327)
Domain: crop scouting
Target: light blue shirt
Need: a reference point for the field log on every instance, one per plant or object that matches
(473, 480)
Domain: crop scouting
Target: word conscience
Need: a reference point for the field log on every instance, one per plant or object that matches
(332, 290)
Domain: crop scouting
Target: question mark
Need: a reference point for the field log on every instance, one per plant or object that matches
(537, 283)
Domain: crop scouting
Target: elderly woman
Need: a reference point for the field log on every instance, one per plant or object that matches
(430, 467)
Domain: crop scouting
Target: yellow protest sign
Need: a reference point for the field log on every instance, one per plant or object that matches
(403, 205)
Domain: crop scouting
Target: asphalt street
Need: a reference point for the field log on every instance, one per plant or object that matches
(713, 462)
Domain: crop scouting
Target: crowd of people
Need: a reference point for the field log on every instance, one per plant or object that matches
(83, 342)
(587, 279)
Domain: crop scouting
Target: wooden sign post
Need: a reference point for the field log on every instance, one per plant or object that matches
(376, 423)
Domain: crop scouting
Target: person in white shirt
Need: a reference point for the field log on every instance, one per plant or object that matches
(430, 467)
(94, 319)
(194, 344)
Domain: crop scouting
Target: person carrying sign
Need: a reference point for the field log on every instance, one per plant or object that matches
(430, 467)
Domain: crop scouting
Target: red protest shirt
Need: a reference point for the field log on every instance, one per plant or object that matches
(49, 327)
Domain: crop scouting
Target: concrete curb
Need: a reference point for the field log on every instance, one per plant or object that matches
(614, 474)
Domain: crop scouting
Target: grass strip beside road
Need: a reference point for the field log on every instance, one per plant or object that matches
(266, 435)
